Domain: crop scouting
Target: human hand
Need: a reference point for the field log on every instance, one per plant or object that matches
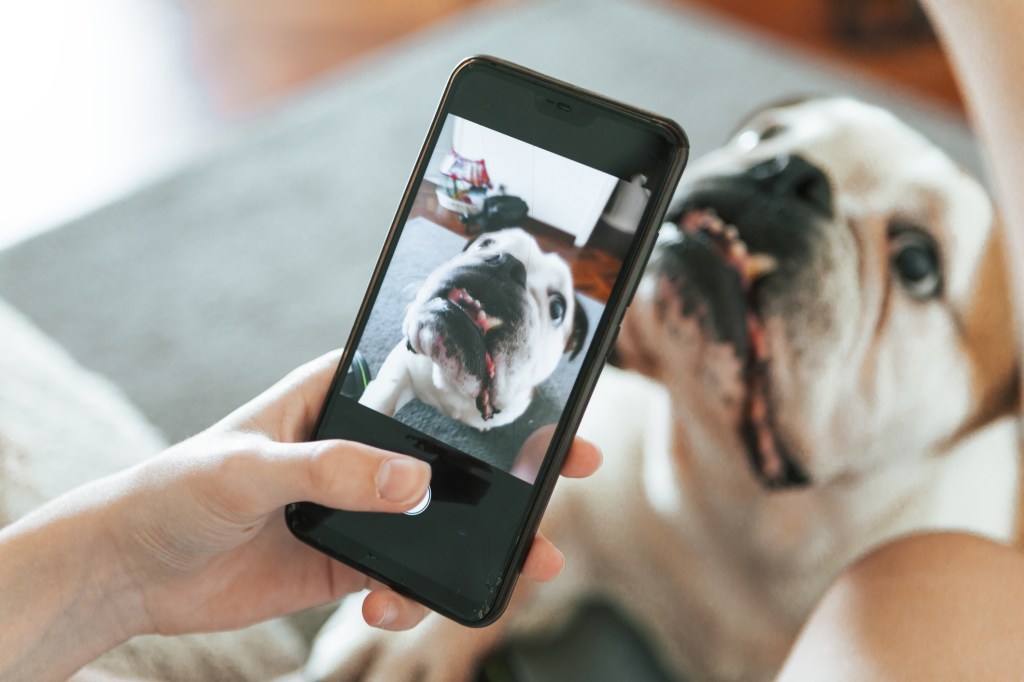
(202, 537)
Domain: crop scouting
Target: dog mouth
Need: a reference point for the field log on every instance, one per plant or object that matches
(484, 323)
(771, 461)
(474, 309)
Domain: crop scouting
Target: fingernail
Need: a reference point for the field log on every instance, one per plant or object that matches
(402, 479)
(388, 617)
(560, 559)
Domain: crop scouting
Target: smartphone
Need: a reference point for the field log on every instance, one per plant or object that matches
(519, 241)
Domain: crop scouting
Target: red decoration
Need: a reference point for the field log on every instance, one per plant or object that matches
(473, 172)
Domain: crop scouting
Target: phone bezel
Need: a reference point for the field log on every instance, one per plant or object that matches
(582, 105)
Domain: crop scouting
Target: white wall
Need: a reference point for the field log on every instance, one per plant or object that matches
(98, 99)
(562, 193)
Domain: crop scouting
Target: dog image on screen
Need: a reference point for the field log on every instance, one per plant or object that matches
(483, 331)
(820, 358)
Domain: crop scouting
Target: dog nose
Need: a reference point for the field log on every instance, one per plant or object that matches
(507, 266)
(793, 176)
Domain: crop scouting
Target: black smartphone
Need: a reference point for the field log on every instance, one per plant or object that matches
(520, 239)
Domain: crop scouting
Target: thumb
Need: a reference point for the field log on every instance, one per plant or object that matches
(343, 475)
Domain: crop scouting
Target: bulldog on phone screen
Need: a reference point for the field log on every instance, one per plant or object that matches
(484, 330)
(827, 337)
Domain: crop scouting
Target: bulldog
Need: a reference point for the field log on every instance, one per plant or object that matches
(483, 331)
(822, 356)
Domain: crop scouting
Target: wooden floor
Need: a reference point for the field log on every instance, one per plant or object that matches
(894, 50)
(249, 52)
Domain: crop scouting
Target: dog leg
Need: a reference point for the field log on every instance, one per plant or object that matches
(392, 387)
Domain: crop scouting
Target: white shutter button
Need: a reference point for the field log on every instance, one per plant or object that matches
(421, 506)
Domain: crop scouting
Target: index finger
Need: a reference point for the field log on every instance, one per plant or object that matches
(583, 460)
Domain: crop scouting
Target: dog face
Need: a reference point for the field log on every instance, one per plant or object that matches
(829, 298)
(496, 319)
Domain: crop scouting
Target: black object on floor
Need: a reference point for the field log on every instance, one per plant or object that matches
(597, 645)
(498, 212)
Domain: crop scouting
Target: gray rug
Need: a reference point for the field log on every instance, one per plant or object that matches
(199, 291)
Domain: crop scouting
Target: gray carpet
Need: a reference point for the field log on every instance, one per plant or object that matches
(423, 247)
(200, 290)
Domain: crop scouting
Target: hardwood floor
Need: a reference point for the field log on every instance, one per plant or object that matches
(251, 51)
(886, 41)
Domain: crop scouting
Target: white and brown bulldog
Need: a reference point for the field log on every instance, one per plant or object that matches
(484, 330)
(827, 327)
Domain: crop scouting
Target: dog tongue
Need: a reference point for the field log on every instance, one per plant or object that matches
(474, 309)
(769, 462)
(483, 399)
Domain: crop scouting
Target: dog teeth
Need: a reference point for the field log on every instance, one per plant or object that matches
(487, 322)
(760, 264)
(462, 297)
(475, 310)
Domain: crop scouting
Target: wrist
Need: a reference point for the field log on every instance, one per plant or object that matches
(63, 579)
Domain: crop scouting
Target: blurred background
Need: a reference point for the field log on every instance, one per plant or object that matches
(105, 96)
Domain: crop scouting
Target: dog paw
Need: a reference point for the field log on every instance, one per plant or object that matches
(437, 650)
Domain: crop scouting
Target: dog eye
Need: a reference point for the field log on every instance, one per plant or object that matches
(914, 260)
(556, 306)
(485, 242)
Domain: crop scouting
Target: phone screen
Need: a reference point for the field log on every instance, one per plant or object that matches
(473, 344)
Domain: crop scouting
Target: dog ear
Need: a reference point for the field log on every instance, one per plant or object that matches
(580, 327)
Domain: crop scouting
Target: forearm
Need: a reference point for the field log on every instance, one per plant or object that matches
(934, 606)
(984, 41)
(62, 601)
